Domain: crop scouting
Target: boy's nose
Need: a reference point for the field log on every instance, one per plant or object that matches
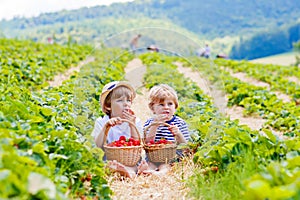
(127, 103)
(166, 106)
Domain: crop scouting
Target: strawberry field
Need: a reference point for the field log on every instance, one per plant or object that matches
(47, 151)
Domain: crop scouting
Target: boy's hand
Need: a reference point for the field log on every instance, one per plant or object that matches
(129, 115)
(177, 134)
(114, 121)
(174, 130)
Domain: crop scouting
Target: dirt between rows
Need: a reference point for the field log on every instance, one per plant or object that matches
(172, 185)
(60, 78)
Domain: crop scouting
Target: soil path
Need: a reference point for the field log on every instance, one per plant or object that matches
(220, 100)
(170, 186)
(60, 78)
(218, 96)
(135, 71)
(294, 79)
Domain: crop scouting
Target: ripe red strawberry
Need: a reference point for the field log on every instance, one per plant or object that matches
(152, 142)
(118, 144)
(122, 142)
(214, 169)
(88, 177)
(136, 143)
(130, 143)
(131, 112)
(122, 137)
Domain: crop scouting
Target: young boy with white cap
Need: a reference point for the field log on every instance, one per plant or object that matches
(116, 100)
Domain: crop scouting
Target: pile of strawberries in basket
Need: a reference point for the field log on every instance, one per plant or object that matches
(124, 142)
(162, 141)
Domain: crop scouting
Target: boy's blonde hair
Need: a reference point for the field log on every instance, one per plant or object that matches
(161, 92)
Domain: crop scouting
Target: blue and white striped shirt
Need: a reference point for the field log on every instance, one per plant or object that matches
(164, 132)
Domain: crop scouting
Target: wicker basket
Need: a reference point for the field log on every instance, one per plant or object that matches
(161, 153)
(129, 155)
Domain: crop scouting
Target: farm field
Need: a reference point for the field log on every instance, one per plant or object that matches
(244, 119)
(285, 59)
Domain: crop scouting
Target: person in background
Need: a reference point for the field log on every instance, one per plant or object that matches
(221, 55)
(134, 42)
(153, 48)
(207, 51)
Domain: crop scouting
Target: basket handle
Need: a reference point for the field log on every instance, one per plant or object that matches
(152, 124)
(123, 120)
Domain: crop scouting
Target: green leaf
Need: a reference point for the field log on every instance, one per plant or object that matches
(38, 148)
(36, 119)
(283, 192)
(293, 162)
(260, 188)
(4, 173)
(47, 111)
(38, 182)
(270, 135)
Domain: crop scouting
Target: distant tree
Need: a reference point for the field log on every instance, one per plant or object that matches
(69, 40)
(54, 38)
(297, 46)
(297, 49)
(266, 43)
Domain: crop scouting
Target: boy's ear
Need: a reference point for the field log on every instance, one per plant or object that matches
(152, 110)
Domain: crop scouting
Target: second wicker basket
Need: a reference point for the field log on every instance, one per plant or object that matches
(161, 153)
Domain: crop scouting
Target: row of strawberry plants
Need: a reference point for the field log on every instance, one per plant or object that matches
(31, 64)
(276, 76)
(47, 152)
(268, 187)
(256, 100)
(277, 70)
(224, 143)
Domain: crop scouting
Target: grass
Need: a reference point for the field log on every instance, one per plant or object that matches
(223, 185)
